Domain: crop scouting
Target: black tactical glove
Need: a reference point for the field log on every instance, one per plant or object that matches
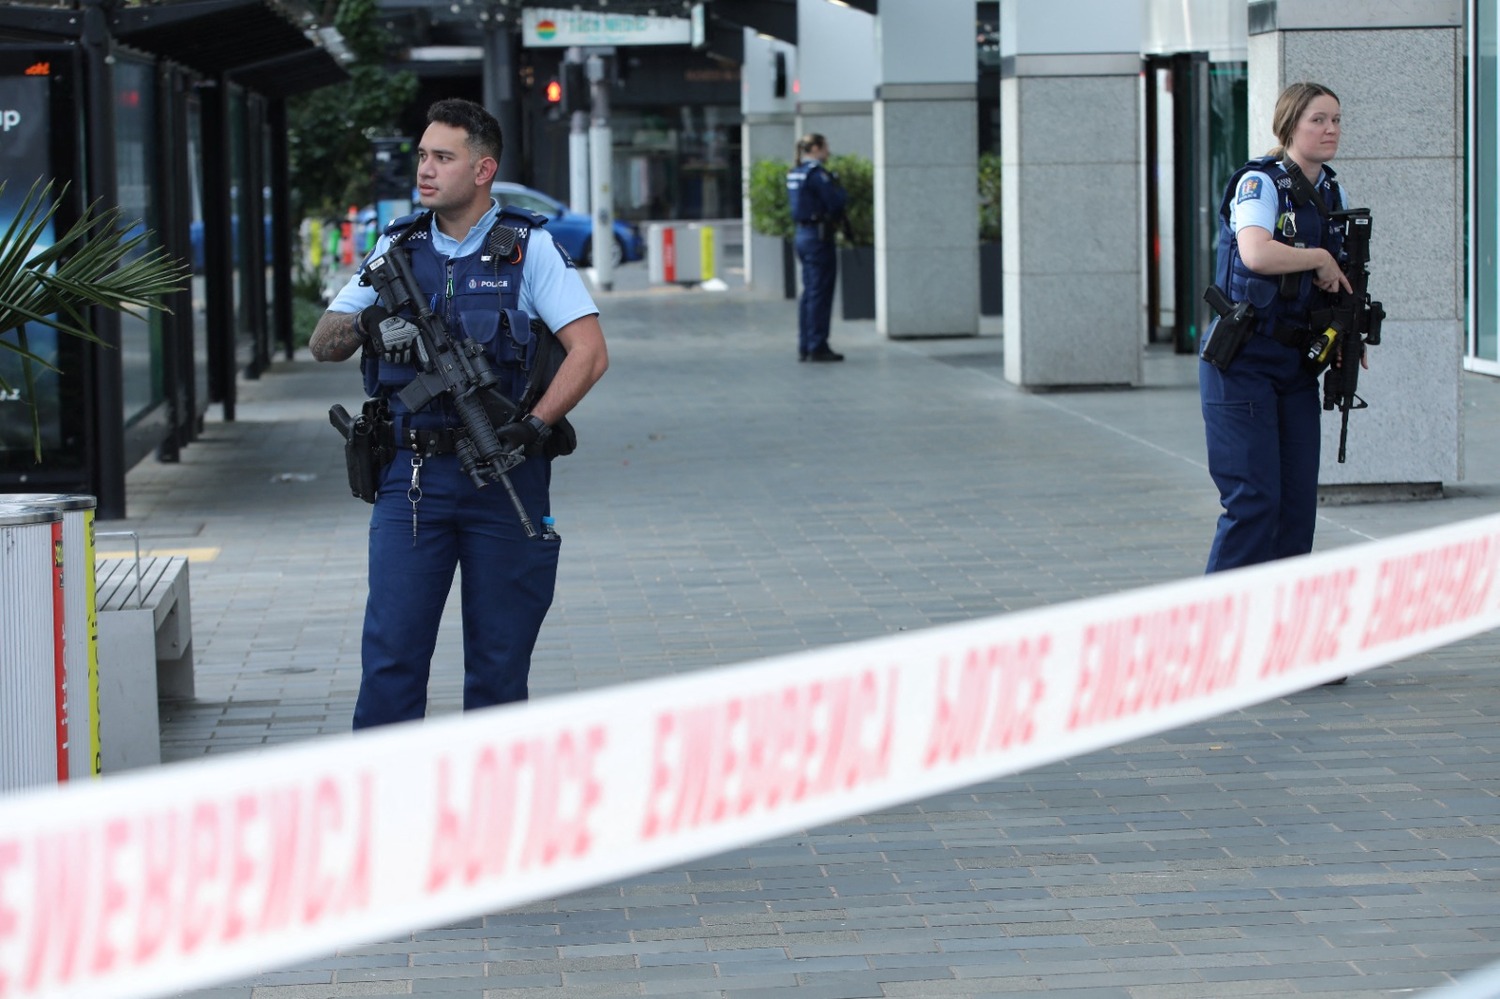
(528, 433)
(391, 338)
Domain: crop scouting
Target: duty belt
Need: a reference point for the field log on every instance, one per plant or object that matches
(427, 443)
(1296, 337)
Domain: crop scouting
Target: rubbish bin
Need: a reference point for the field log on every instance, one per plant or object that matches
(33, 727)
(80, 623)
(680, 253)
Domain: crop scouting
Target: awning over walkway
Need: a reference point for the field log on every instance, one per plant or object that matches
(256, 42)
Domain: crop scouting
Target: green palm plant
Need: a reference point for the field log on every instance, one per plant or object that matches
(97, 262)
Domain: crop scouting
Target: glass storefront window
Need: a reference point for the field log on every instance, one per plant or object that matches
(239, 198)
(200, 283)
(684, 166)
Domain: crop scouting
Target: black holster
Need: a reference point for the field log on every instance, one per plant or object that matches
(1229, 335)
(368, 446)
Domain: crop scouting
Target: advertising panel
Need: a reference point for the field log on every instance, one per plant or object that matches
(34, 81)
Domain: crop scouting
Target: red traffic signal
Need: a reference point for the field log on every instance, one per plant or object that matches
(554, 92)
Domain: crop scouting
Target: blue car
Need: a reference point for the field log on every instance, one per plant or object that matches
(572, 230)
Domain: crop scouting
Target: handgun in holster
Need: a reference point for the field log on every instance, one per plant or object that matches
(1228, 336)
(368, 446)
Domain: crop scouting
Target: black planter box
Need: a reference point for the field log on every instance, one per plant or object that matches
(857, 280)
(991, 297)
(788, 269)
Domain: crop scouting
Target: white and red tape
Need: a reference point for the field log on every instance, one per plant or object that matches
(150, 883)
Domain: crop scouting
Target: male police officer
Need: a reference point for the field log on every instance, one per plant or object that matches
(429, 516)
(817, 202)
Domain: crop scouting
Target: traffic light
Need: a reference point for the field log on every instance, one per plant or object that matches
(575, 87)
(554, 92)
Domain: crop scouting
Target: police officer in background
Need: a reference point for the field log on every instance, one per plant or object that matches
(817, 202)
(428, 515)
(1279, 251)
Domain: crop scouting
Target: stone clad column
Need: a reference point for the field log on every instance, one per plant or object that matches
(1071, 212)
(926, 170)
(1398, 68)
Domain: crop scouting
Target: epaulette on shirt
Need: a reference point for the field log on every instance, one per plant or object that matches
(397, 224)
(530, 218)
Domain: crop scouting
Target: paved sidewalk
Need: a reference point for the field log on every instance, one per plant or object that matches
(728, 503)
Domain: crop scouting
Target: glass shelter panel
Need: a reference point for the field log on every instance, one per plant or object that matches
(38, 92)
(135, 154)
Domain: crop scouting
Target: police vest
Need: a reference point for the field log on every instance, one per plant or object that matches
(1309, 226)
(478, 298)
(804, 210)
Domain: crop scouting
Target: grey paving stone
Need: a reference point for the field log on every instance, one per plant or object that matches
(331, 991)
(1357, 825)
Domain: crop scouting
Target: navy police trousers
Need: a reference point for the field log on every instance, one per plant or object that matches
(1261, 417)
(815, 310)
(506, 589)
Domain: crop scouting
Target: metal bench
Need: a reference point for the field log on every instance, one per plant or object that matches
(145, 653)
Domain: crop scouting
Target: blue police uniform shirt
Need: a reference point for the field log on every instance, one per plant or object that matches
(1257, 202)
(817, 196)
(551, 289)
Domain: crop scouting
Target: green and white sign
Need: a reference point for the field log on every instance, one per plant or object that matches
(542, 28)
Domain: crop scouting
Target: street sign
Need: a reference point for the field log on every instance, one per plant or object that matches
(544, 28)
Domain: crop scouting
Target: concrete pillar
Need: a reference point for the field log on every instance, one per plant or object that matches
(767, 132)
(926, 170)
(836, 74)
(1070, 191)
(1398, 68)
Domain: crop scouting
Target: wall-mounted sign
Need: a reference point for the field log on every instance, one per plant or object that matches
(541, 28)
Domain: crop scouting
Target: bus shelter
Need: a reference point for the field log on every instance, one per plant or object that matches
(176, 112)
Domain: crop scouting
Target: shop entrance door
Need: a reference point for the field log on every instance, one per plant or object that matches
(1195, 139)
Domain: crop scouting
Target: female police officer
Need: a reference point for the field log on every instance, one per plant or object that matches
(817, 203)
(1279, 251)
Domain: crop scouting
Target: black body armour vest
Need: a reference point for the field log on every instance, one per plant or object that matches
(1306, 225)
(478, 297)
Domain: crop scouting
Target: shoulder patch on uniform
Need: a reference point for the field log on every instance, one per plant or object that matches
(564, 254)
(1249, 189)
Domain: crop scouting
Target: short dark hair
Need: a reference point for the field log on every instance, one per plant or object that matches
(484, 130)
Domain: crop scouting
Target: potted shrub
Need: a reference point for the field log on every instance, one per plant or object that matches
(990, 301)
(101, 260)
(857, 240)
(771, 214)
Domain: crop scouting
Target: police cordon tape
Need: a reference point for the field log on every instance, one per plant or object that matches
(146, 884)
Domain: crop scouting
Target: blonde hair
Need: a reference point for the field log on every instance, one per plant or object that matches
(1290, 107)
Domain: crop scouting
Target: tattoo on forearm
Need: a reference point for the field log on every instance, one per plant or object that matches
(335, 338)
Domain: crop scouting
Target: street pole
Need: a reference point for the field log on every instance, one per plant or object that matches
(499, 89)
(601, 170)
(107, 462)
(578, 150)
